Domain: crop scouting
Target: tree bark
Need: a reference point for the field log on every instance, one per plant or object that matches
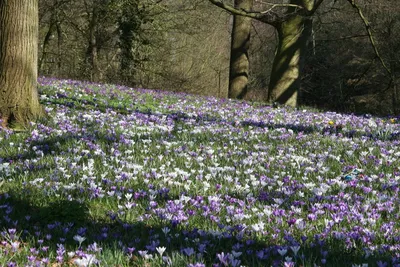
(294, 32)
(395, 99)
(19, 101)
(45, 45)
(59, 43)
(285, 80)
(91, 52)
(240, 43)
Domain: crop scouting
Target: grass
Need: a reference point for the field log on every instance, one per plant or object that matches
(132, 177)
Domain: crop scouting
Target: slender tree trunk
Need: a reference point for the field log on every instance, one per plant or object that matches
(19, 102)
(45, 44)
(240, 43)
(91, 52)
(286, 71)
(394, 75)
(59, 43)
(395, 93)
(395, 99)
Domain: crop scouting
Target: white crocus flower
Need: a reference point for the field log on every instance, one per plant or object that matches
(161, 250)
(79, 239)
(87, 261)
(282, 252)
(295, 249)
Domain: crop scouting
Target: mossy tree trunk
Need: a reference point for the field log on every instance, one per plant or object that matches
(19, 102)
(294, 29)
(240, 43)
(59, 44)
(128, 25)
(91, 57)
(285, 81)
(45, 45)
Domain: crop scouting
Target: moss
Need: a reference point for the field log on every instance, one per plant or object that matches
(285, 76)
(18, 119)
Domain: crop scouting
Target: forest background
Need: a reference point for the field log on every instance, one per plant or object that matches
(184, 45)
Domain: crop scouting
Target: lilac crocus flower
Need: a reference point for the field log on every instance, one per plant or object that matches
(188, 251)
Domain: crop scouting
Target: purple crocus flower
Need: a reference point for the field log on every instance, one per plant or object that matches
(223, 258)
(189, 251)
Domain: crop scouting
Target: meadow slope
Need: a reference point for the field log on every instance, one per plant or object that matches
(117, 176)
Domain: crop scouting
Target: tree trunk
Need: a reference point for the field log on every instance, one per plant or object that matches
(286, 71)
(19, 102)
(91, 52)
(395, 96)
(45, 44)
(240, 43)
(59, 43)
(129, 26)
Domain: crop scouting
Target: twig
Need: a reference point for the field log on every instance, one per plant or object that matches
(270, 17)
(281, 5)
(371, 37)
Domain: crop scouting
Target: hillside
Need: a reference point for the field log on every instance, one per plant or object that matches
(117, 175)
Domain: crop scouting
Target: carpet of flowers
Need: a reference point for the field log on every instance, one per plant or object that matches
(117, 176)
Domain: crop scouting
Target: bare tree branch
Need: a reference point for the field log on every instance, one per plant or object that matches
(280, 5)
(344, 38)
(315, 7)
(370, 35)
(270, 17)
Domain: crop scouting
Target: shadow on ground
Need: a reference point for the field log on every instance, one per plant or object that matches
(59, 221)
(79, 104)
(55, 221)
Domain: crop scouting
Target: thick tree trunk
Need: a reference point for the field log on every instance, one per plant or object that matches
(286, 71)
(294, 30)
(19, 102)
(240, 42)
